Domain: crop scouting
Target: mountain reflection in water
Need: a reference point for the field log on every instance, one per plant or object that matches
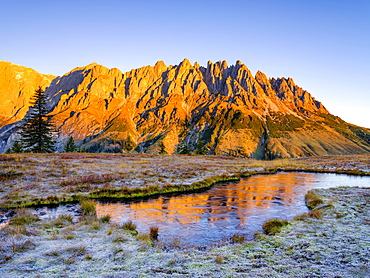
(225, 209)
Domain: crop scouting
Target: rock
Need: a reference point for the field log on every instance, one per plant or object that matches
(229, 109)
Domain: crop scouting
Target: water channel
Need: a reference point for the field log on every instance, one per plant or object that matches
(222, 211)
(226, 209)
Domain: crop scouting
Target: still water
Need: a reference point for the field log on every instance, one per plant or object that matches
(226, 209)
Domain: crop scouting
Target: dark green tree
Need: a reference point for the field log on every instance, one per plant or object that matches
(162, 148)
(16, 148)
(70, 146)
(182, 148)
(37, 132)
(200, 148)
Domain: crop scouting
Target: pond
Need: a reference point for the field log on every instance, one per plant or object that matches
(226, 209)
(220, 212)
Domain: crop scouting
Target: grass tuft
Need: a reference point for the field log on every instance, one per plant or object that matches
(24, 218)
(273, 226)
(105, 218)
(129, 226)
(219, 259)
(153, 233)
(312, 200)
(237, 238)
(88, 208)
(317, 214)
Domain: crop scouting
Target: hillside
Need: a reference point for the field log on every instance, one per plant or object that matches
(224, 108)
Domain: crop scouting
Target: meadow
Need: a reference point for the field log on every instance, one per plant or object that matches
(331, 240)
(41, 179)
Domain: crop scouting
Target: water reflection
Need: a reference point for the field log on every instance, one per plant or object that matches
(226, 209)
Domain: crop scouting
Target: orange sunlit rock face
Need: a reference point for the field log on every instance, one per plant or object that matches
(224, 104)
(18, 85)
(235, 206)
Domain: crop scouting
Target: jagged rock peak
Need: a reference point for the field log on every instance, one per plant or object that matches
(160, 67)
(225, 105)
(262, 78)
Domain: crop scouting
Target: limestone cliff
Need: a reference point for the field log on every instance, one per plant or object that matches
(17, 86)
(225, 107)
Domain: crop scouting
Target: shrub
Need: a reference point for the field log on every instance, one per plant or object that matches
(219, 259)
(237, 238)
(129, 226)
(23, 219)
(317, 214)
(153, 233)
(70, 146)
(312, 200)
(105, 219)
(69, 236)
(61, 221)
(273, 226)
(77, 250)
(20, 230)
(144, 237)
(66, 217)
(88, 208)
(182, 148)
(119, 239)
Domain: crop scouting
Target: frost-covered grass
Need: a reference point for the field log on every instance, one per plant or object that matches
(36, 179)
(329, 241)
(335, 244)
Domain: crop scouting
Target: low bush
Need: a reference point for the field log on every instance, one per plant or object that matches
(23, 219)
(219, 259)
(88, 208)
(317, 214)
(273, 226)
(105, 218)
(312, 200)
(129, 226)
(153, 233)
(237, 238)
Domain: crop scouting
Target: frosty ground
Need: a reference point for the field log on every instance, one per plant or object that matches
(332, 241)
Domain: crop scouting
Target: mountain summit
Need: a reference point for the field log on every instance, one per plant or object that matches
(223, 108)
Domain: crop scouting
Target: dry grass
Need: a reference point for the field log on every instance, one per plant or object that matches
(327, 247)
(274, 226)
(38, 179)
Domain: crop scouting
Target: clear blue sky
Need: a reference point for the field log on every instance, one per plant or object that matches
(323, 45)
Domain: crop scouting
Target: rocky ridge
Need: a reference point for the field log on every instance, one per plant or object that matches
(225, 108)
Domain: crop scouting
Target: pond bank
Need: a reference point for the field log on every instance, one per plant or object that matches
(43, 179)
(331, 243)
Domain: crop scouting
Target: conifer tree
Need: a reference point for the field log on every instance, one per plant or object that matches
(16, 148)
(182, 148)
(70, 146)
(37, 131)
(162, 148)
(200, 148)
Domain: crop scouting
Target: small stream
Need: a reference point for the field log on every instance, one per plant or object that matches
(222, 211)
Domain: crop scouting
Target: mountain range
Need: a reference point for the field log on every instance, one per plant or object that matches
(223, 109)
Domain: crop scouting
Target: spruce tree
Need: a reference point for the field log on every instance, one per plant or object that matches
(162, 148)
(37, 131)
(200, 148)
(70, 146)
(182, 148)
(16, 148)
